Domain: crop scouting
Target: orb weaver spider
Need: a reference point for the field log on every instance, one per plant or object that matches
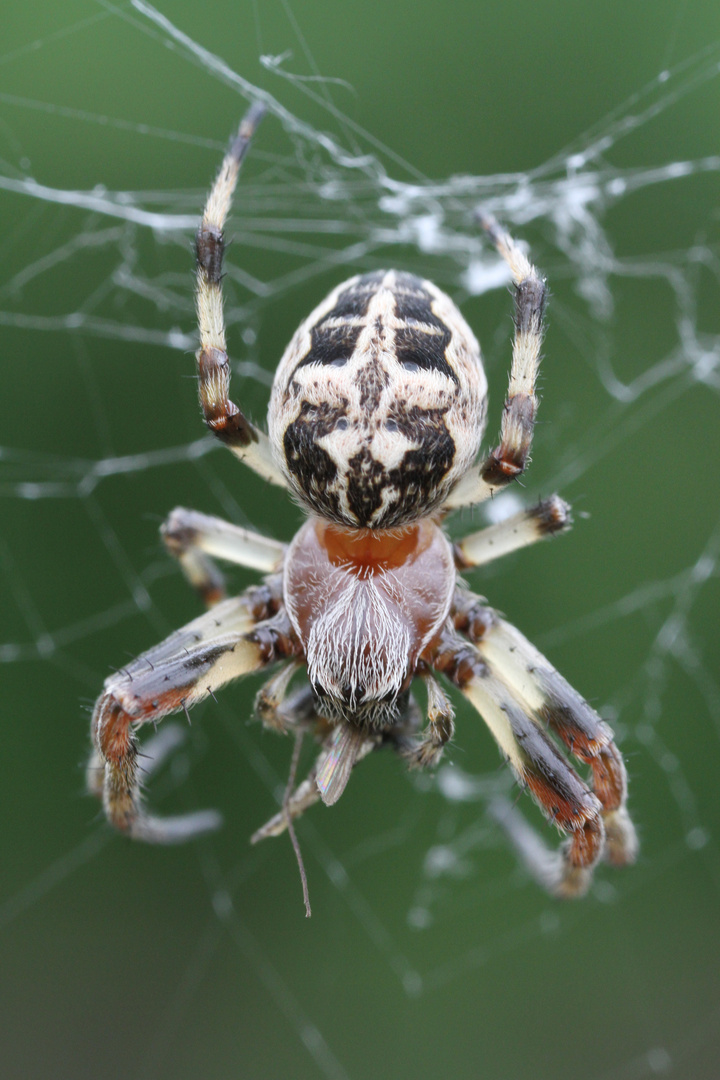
(376, 416)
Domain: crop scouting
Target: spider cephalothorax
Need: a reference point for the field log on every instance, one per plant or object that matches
(365, 605)
(375, 421)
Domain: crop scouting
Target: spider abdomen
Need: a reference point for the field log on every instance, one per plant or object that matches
(365, 605)
(378, 404)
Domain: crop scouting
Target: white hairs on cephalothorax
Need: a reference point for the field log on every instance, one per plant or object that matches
(359, 646)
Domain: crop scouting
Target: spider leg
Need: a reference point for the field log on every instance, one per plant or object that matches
(511, 456)
(537, 763)
(155, 752)
(553, 703)
(546, 518)
(219, 646)
(221, 415)
(196, 539)
(304, 796)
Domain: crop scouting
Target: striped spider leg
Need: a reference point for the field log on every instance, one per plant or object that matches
(222, 416)
(522, 698)
(197, 539)
(512, 454)
(246, 633)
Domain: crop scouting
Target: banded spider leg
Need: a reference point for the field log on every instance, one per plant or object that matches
(246, 633)
(521, 697)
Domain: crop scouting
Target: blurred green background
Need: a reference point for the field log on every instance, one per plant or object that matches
(592, 130)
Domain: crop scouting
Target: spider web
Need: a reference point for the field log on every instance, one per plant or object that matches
(426, 931)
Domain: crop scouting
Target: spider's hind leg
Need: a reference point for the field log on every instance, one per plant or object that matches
(555, 704)
(222, 416)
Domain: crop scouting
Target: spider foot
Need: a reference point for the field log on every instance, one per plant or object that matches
(565, 873)
(122, 803)
(621, 840)
(425, 753)
(175, 830)
(119, 784)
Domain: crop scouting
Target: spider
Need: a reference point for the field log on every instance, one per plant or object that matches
(376, 415)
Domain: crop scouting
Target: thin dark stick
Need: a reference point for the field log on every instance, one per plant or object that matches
(288, 821)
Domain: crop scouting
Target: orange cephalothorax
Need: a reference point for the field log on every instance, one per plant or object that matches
(365, 605)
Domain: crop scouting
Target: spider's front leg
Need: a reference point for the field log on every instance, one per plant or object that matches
(244, 634)
(536, 761)
(553, 703)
